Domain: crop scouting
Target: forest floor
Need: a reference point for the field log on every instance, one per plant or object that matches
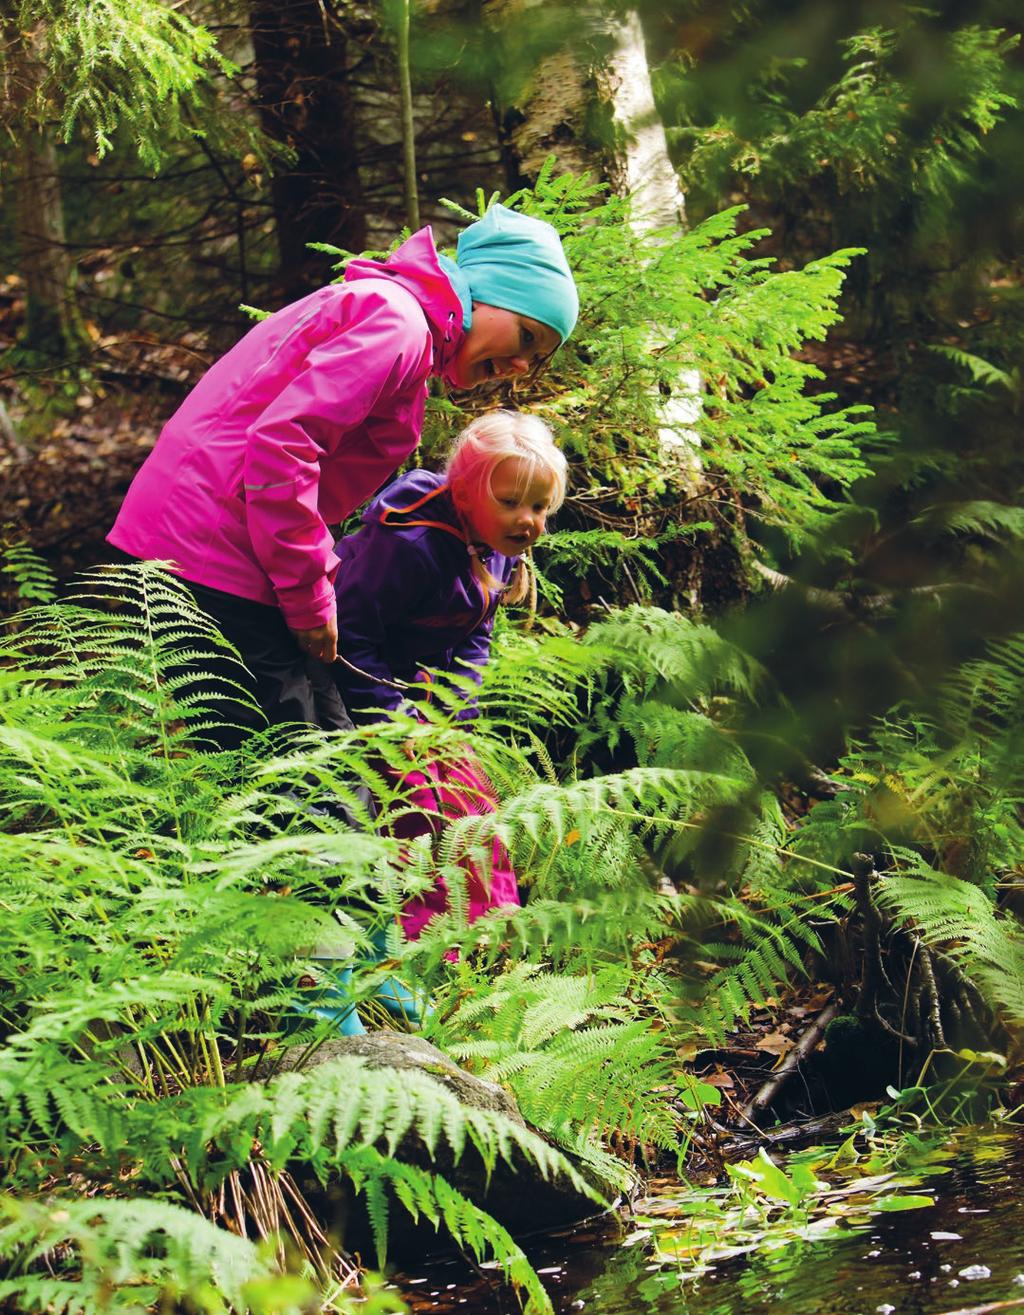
(71, 439)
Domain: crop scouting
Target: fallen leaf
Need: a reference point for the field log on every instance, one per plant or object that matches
(775, 1043)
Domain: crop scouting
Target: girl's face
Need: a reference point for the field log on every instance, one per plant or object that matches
(510, 518)
(500, 344)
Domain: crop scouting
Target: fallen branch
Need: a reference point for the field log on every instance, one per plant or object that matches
(989, 1306)
(856, 605)
(735, 1144)
(791, 1063)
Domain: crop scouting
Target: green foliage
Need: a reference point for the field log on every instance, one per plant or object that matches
(158, 902)
(660, 693)
(905, 140)
(161, 903)
(657, 307)
(961, 919)
(981, 372)
(130, 1256)
(574, 1050)
(864, 133)
(769, 1206)
(583, 549)
(30, 580)
(940, 799)
(107, 65)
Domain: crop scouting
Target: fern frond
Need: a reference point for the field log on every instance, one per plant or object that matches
(960, 918)
(123, 1253)
(583, 1067)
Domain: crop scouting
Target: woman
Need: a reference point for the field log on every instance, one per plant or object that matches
(306, 417)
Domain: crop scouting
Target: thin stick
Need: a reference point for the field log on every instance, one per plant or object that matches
(938, 1037)
(791, 1063)
(412, 203)
(990, 1306)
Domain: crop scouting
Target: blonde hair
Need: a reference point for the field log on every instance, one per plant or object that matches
(479, 449)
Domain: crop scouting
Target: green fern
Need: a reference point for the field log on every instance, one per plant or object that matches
(162, 902)
(610, 550)
(959, 918)
(31, 580)
(997, 520)
(129, 1256)
(578, 1053)
(980, 371)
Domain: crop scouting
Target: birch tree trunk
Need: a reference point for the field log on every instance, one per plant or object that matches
(604, 70)
(642, 170)
(592, 107)
(639, 165)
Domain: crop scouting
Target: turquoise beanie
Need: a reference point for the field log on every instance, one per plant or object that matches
(517, 263)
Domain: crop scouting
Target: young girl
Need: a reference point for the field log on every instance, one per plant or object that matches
(418, 588)
(309, 414)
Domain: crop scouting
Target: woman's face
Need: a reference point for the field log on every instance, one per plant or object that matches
(500, 344)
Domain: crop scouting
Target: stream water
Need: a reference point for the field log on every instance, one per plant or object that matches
(964, 1254)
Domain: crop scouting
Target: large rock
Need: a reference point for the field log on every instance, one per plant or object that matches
(406, 1051)
(516, 1194)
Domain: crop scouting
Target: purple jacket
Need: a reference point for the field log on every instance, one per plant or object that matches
(292, 430)
(407, 596)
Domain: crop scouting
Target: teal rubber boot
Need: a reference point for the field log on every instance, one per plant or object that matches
(401, 1001)
(331, 1000)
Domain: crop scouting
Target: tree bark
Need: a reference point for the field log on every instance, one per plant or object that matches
(592, 107)
(639, 166)
(52, 321)
(305, 103)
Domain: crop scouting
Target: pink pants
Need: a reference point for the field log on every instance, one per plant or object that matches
(443, 793)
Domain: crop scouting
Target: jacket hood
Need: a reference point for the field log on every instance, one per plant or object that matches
(415, 498)
(416, 266)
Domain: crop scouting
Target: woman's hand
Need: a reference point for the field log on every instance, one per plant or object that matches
(320, 642)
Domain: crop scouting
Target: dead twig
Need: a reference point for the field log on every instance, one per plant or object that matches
(790, 1064)
(937, 1037)
(989, 1306)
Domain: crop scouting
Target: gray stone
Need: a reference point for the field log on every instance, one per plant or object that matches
(516, 1194)
(406, 1051)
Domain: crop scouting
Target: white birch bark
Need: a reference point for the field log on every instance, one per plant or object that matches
(642, 170)
(553, 113)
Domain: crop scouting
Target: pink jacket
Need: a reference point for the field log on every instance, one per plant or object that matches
(293, 429)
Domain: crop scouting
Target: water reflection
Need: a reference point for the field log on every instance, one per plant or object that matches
(963, 1253)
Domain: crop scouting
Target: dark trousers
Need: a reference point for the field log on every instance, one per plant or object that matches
(288, 685)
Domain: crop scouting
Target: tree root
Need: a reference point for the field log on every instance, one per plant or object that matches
(939, 999)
